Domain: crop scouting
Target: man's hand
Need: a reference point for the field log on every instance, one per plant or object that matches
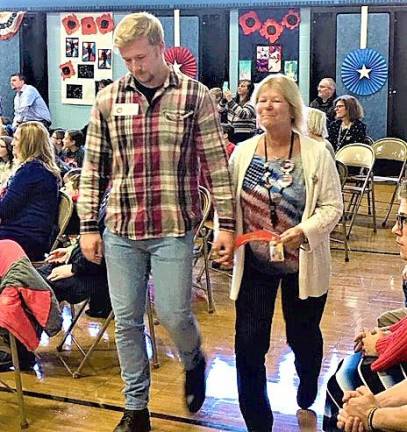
(293, 237)
(224, 246)
(61, 272)
(92, 247)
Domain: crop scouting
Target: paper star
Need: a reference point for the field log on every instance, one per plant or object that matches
(364, 72)
(177, 66)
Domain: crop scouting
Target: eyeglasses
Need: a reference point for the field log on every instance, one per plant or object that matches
(339, 106)
(400, 219)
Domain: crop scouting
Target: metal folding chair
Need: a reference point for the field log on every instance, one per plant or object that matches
(86, 354)
(343, 175)
(201, 244)
(361, 157)
(19, 387)
(391, 149)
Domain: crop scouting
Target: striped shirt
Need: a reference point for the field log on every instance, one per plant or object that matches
(242, 118)
(255, 203)
(152, 156)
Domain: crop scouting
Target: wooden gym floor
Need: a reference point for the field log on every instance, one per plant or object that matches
(360, 290)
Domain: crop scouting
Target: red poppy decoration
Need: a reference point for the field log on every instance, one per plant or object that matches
(249, 22)
(105, 23)
(88, 26)
(182, 58)
(71, 24)
(67, 70)
(271, 30)
(291, 19)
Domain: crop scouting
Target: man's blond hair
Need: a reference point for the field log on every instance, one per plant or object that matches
(136, 25)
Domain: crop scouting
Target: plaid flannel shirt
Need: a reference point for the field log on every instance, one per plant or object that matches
(152, 156)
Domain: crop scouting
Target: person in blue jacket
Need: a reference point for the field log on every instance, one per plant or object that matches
(29, 202)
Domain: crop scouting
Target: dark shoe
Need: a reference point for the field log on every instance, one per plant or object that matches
(134, 421)
(103, 313)
(307, 392)
(195, 386)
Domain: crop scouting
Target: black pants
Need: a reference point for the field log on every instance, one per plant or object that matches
(254, 314)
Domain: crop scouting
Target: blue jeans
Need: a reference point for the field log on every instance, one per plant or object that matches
(128, 264)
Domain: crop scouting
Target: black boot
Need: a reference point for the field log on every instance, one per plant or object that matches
(195, 386)
(134, 421)
(307, 391)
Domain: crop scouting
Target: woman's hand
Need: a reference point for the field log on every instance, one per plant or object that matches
(227, 94)
(60, 255)
(369, 343)
(61, 272)
(293, 237)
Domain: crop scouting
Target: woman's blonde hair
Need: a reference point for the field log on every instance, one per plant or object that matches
(316, 122)
(137, 25)
(35, 144)
(289, 90)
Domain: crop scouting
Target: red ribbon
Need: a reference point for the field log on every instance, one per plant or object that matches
(260, 235)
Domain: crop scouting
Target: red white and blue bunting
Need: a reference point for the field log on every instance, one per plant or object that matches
(10, 23)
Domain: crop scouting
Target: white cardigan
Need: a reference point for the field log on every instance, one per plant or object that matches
(323, 209)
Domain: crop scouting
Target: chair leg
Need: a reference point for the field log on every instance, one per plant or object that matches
(75, 318)
(150, 316)
(77, 373)
(373, 207)
(393, 197)
(19, 387)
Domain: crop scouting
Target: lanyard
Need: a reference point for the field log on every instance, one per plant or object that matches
(287, 166)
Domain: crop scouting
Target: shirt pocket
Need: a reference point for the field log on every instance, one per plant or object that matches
(173, 116)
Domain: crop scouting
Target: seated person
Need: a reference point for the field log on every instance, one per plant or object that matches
(316, 127)
(57, 137)
(73, 152)
(29, 202)
(74, 279)
(380, 359)
(7, 164)
(71, 187)
(347, 128)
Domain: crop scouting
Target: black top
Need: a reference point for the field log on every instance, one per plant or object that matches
(339, 137)
(147, 91)
(327, 107)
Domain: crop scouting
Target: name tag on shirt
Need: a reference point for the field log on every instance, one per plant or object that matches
(126, 109)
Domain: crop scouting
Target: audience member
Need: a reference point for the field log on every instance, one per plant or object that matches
(29, 203)
(274, 193)
(325, 99)
(217, 95)
(348, 127)
(316, 127)
(6, 126)
(377, 365)
(28, 103)
(57, 137)
(71, 187)
(7, 164)
(73, 152)
(241, 114)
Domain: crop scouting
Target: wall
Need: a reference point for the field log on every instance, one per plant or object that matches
(76, 116)
(9, 63)
(348, 39)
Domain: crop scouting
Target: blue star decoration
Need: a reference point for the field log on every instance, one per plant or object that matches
(364, 71)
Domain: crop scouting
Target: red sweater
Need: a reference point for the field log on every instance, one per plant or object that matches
(392, 348)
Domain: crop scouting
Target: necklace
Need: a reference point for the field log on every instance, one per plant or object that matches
(287, 167)
(341, 138)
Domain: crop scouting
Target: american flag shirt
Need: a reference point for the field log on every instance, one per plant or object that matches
(152, 155)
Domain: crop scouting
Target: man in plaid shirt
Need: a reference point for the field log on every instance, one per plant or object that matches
(150, 134)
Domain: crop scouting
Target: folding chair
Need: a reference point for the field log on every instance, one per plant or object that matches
(360, 156)
(343, 175)
(391, 149)
(65, 210)
(201, 244)
(86, 354)
(19, 387)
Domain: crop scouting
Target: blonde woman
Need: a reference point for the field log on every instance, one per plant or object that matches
(285, 183)
(28, 206)
(316, 127)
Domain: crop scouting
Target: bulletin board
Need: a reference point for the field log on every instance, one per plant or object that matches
(86, 55)
(269, 38)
